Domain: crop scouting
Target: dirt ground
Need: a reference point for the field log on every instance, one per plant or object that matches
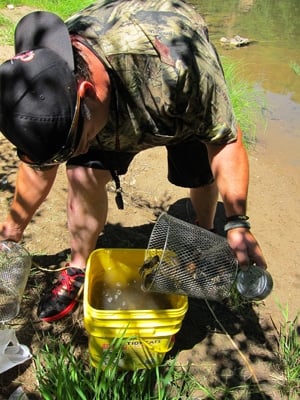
(273, 204)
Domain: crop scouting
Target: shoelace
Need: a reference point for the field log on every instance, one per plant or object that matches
(66, 283)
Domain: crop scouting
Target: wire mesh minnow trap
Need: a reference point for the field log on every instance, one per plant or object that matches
(182, 258)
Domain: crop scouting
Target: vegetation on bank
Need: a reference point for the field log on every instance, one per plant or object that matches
(295, 67)
(64, 375)
(63, 8)
(248, 102)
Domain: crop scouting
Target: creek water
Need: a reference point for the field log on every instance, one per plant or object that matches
(274, 29)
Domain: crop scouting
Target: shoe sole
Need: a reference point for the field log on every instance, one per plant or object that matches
(62, 314)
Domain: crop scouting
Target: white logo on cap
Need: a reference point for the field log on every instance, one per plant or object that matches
(25, 56)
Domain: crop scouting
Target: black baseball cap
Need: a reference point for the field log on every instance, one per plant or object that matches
(39, 105)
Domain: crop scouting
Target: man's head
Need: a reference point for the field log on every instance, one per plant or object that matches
(39, 105)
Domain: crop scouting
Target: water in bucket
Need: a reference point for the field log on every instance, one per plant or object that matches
(128, 295)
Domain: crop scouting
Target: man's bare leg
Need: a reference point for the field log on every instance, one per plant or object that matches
(204, 201)
(87, 210)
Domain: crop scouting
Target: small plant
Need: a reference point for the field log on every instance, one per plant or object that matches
(295, 67)
(289, 355)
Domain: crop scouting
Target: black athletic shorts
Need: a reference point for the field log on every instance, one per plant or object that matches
(188, 164)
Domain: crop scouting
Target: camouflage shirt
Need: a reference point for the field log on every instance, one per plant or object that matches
(167, 80)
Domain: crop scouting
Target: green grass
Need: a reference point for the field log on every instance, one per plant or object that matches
(295, 67)
(248, 102)
(6, 31)
(64, 373)
(289, 355)
(64, 376)
(63, 8)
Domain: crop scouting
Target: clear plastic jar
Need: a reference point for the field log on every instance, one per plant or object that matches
(255, 283)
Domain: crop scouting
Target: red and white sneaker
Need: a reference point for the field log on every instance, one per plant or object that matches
(63, 297)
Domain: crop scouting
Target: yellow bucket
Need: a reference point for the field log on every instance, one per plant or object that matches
(149, 333)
